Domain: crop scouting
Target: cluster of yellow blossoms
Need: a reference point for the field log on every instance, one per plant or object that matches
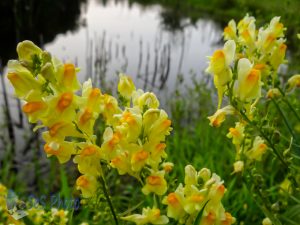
(246, 67)
(36, 215)
(133, 141)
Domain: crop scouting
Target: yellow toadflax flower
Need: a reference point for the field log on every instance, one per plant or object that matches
(88, 159)
(87, 184)
(126, 86)
(230, 31)
(293, 82)
(155, 183)
(257, 150)
(175, 203)
(149, 215)
(219, 117)
(249, 81)
(237, 133)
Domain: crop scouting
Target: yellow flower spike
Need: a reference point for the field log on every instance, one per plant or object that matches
(168, 167)
(237, 133)
(34, 110)
(139, 159)
(87, 184)
(155, 183)
(148, 215)
(273, 93)
(88, 160)
(238, 166)
(22, 80)
(293, 82)
(126, 86)
(257, 150)
(175, 201)
(26, 50)
(230, 31)
(220, 115)
(249, 81)
(62, 150)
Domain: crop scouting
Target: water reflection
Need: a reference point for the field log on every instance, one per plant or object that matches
(120, 36)
(36, 20)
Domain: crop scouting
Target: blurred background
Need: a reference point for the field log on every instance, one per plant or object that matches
(162, 44)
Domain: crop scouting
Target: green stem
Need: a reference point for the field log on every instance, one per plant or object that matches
(289, 104)
(105, 191)
(284, 118)
(266, 138)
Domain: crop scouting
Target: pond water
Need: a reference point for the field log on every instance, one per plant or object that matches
(118, 37)
(121, 37)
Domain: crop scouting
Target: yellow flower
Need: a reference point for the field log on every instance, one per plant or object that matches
(149, 215)
(191, 176)
(126, 86)
(278, 56)
(34, 110)
(130, 124)
(205, 174)
(155, 183)
(276, 27)
(26, 50)
(122, 163)
(195, 200)
(23, 81)
(66, 78)
(230, 31)
(160, 128)
(248, 34)
(273, 93)
(249, 81)
(221, 59)
(148, 100)
(266, 221)
(237, 133)
(139, 160)
(257, 150)
(293, 82)
(238, 166)
(219, 117)
(88, 159)
(62, 150)
(175, 201)
(111, 141)
(168, 166)
(87, 184)
(157, 152)
(109, 108)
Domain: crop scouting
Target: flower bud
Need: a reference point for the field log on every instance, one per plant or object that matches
(238, 166)
(205, 174)
(125, 86)
(266, 221)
